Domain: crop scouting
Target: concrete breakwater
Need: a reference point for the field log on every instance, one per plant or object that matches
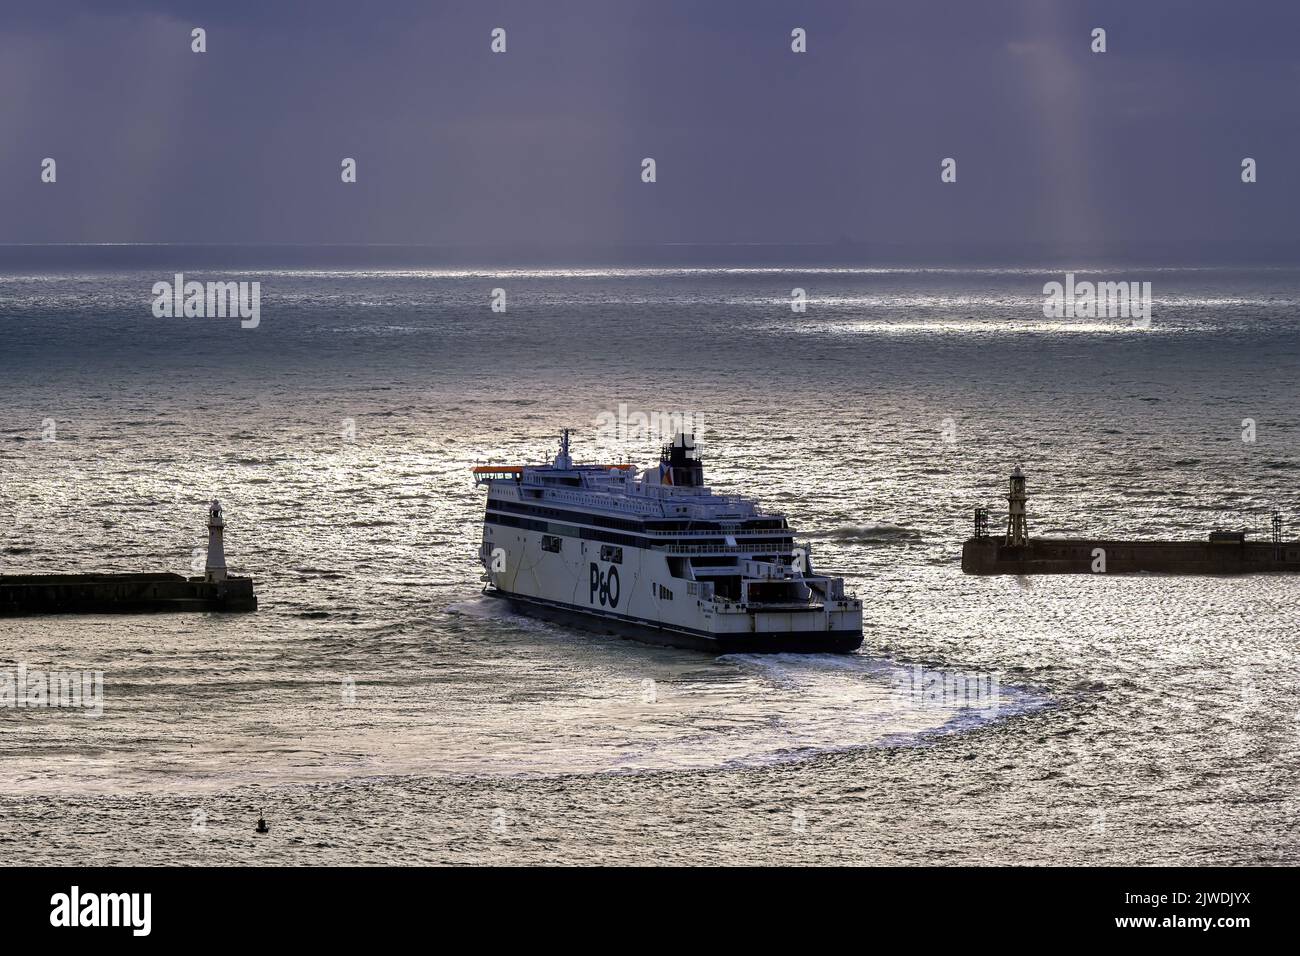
(1104, 556)
(1016, 552)
(121, 594)
(215, 590)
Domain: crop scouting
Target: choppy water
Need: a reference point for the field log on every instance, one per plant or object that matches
(1141, 719)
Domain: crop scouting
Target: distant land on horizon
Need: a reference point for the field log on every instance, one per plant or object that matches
(844, 253)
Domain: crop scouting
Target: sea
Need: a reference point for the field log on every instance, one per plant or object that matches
(378, 709)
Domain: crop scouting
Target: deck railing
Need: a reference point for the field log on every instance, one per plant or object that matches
(719, 549)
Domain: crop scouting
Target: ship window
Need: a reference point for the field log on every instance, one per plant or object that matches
(665, 594)
(611, 554)
(552, 543)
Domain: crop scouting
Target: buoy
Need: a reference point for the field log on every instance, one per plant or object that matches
(261, 823)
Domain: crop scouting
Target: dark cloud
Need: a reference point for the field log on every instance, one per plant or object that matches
(753, 143)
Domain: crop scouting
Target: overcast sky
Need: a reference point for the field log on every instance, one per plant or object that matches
(753, 142)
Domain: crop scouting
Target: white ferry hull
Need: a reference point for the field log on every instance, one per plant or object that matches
(639, 597)
(753, 642)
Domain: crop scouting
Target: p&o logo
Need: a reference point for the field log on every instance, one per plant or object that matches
(604, 586)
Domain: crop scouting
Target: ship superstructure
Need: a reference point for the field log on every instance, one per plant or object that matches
(656, 555)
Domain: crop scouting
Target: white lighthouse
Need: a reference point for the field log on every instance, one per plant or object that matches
(1017, 528)
(216, 567)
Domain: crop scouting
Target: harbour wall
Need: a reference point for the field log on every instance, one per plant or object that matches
(121, 594)
(991, 555)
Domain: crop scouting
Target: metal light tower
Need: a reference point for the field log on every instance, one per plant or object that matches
(216, 567)
(1017, 528)
(564, 459)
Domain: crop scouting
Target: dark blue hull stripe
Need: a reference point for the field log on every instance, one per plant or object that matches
(557, 521)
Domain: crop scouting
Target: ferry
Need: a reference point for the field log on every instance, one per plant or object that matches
(656, 555)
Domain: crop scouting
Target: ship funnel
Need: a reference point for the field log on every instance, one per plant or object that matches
(679, 462)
